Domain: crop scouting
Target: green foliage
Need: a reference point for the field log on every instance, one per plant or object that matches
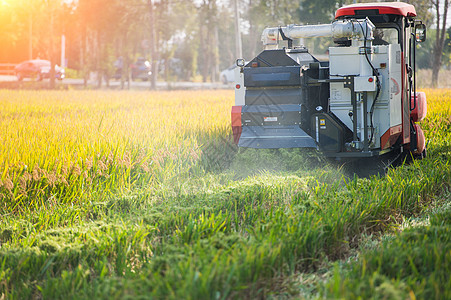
(314, 11)
(245, 229)
(72, 73)
(424, 50)
(231, 241)
(416, 263)
(100, 31)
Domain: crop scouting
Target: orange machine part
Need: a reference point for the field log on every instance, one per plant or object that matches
(421, 142)
(421, 108)
(390, 136)
(236, 123)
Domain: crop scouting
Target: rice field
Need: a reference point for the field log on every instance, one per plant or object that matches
(72, 145)
(115, 195)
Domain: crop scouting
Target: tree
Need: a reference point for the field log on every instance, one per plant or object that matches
(447, 50)
(188, 44)
(267, 13)
(52, 8)
(105, 30)
(12, 27)
(318, 11)
(439, 37)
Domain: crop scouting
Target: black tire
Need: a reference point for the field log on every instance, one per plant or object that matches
(39, 77)
(422, 155)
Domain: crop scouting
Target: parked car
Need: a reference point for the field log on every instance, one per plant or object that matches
(141, 69)
(37, 68)
(228, 75)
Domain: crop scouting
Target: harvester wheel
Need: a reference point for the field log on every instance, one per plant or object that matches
(424, 153)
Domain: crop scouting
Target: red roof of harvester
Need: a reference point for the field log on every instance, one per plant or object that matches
(384, 8)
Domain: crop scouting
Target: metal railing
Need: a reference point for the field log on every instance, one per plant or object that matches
(7, 69)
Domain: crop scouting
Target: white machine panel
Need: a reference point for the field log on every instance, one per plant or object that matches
(346, 61)
(395, 86)
(365, 84)
(239, 92)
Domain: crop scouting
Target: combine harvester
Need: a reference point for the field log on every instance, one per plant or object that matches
(361, 104)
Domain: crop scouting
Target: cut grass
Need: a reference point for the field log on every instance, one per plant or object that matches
(415, 264)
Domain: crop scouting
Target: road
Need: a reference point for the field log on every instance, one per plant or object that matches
(114, 84)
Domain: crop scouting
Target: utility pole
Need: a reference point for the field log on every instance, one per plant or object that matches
(30, 36)
(63, 51)
(51, 50)
(238, 46)
(153, 76)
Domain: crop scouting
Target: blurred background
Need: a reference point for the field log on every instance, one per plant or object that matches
(101, 42)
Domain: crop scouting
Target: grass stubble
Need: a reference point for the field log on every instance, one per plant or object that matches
(116, 195)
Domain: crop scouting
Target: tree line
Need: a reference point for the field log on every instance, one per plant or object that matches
(183, 39)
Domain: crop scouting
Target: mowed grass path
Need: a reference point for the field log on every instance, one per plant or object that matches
(141, 194)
